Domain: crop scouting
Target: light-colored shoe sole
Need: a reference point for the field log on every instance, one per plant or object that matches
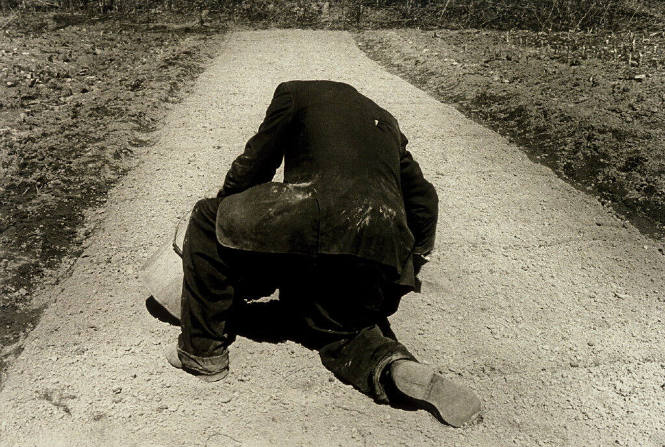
(172, 356)
(213, 377)
(455, 404)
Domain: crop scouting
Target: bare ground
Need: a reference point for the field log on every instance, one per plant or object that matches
(587, 104)
(79, 101)
(545, 303)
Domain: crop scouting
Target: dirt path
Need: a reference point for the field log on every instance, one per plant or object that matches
(538, 298)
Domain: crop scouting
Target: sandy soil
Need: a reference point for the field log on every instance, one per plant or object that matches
(538, 298)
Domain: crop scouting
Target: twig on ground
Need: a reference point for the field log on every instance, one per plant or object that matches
(342, 407)
(7, 20)
(443, 11)
(224, 435)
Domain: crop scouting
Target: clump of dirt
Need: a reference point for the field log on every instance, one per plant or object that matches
(589, 105)
(77, 104)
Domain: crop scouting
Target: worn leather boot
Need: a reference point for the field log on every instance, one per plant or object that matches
(174, 360)
(421, 386)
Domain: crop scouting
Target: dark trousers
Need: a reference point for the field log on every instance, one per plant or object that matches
(342, 302)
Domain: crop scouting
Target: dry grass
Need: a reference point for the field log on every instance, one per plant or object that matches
(549, 15)
(534, 15)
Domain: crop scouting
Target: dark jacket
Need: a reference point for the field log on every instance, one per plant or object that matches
(350, 186)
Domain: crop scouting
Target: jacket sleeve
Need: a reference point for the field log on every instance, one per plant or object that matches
(264, 151)
(420, 201)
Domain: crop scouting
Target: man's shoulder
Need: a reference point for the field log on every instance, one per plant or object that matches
(316, 84)
(315, 88)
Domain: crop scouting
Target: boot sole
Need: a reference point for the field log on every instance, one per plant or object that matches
(454, 404)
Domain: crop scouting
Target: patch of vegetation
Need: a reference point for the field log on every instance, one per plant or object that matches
(534, 15)
(541, 15)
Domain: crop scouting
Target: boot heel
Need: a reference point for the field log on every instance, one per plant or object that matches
(454, 404)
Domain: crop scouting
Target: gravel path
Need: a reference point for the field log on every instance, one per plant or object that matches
(538, 298)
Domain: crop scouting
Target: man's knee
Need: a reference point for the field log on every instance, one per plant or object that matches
(205, 209)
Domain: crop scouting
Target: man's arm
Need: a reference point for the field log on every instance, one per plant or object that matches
(264, 151)
(420, 201)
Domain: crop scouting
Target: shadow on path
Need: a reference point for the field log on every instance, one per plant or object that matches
(273, 321)
(261, 321)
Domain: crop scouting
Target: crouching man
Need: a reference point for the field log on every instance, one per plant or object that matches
(343, 239)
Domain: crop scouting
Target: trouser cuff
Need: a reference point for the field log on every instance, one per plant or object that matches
(204, 365)
(380, 394)
(362, 359)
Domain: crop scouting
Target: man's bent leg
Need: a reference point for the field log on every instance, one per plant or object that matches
(361, 360)
(207, 295)
(371, 359)
(344, 310)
